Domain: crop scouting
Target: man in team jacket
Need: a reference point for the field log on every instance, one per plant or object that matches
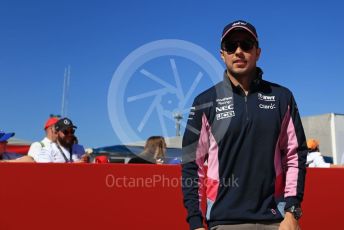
(248, 132)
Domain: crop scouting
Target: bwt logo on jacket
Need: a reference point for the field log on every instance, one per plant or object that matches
(265, 98)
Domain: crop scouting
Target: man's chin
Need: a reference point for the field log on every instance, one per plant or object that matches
(239, 73)
(66, 144)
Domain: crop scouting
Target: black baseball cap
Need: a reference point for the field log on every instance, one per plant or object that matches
(64, 124)
(239, 25)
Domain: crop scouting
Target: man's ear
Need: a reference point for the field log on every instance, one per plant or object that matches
(222, 55)
(259, 50)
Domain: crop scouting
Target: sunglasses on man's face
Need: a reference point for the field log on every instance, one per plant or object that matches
(67, 132)
(232, 46)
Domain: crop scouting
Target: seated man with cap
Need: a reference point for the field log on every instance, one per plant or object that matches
(61, 151)
(36, 147)
(5, 156)
(315, 158)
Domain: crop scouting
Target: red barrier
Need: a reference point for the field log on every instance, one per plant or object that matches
(116, 196)
(90, 196)
(20, 149)
(323, 200)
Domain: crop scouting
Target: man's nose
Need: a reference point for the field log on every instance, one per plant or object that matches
(238, 49)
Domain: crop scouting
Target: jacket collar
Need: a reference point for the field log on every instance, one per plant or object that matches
(255, 85)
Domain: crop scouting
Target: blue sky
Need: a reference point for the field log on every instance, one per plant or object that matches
(302, 49)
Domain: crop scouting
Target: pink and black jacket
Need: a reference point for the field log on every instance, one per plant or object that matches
(255, 150)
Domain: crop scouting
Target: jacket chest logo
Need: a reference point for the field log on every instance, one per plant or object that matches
(266, 98)
(224, 108)
(267, 102)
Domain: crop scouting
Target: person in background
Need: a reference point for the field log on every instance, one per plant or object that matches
(6, 156)
(154, 152)
(315, 158)
(80, 151)
(36, 147)
(61, 151)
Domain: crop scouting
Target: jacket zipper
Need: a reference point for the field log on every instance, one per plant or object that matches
(246, 108)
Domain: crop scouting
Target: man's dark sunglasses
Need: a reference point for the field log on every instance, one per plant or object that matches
(66, 132)
(232, 46)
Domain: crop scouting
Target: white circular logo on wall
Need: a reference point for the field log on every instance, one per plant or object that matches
(154, 86)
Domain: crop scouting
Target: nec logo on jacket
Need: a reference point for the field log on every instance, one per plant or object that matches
(224, 108)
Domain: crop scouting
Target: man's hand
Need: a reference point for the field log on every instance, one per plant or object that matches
(289, 222)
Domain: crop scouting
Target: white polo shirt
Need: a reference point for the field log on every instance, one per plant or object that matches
(36, 147)
(53, 154)
(316, 160)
